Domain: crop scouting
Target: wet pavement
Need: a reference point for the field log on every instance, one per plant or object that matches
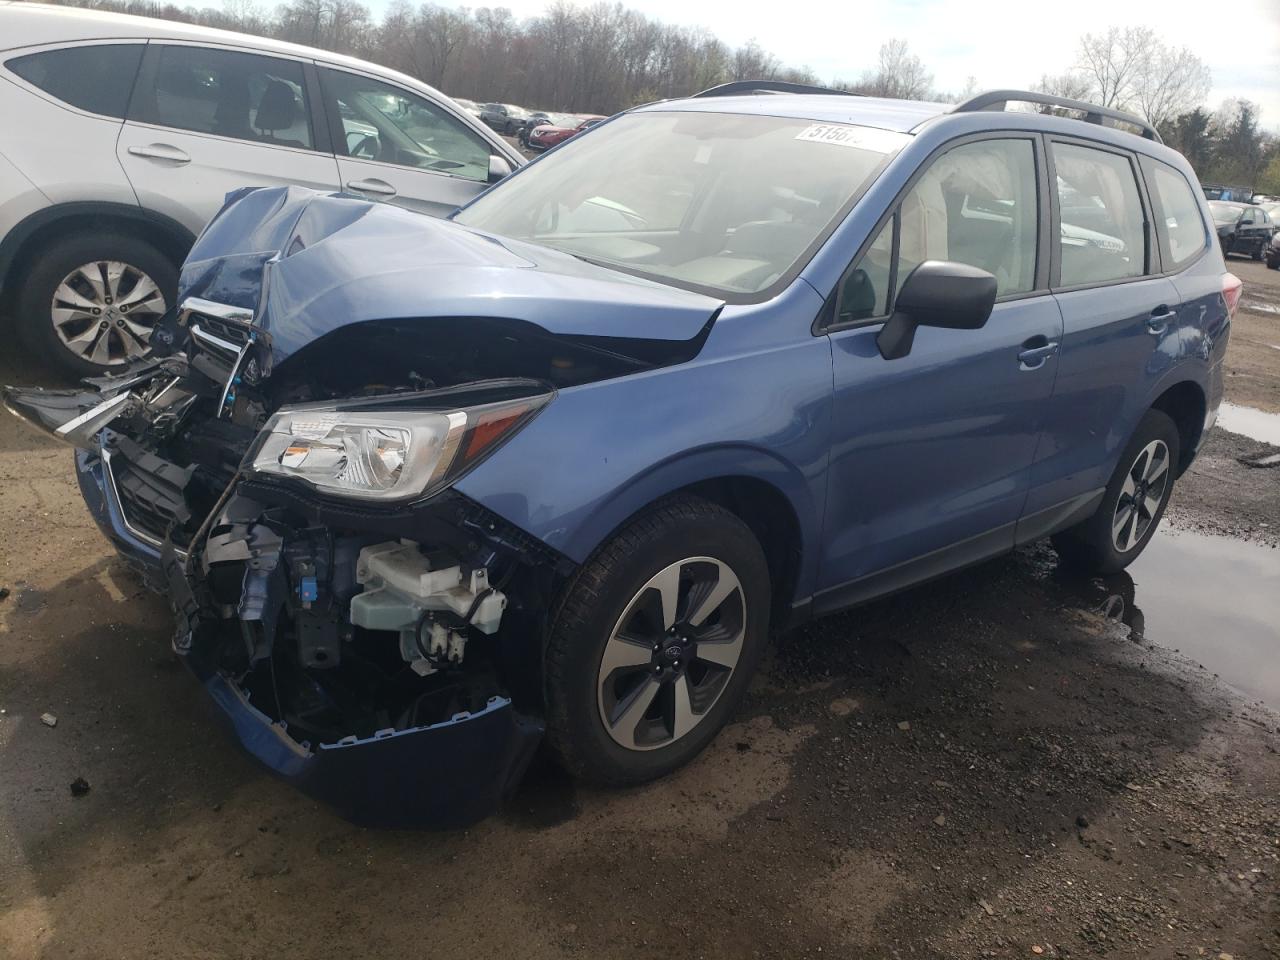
(1212, 599)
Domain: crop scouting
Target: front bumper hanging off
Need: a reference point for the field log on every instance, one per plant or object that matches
(442, 774)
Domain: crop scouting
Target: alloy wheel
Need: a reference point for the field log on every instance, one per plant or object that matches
(671, 654)
(104, 311)
(1143, 491)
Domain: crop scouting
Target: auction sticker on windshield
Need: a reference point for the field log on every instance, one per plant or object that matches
(845, 135)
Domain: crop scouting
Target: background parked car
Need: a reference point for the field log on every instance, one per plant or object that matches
(1220, 191)
(470, 106)
(166, 119)
(505, 118)
(1242, 227)
(547, 136)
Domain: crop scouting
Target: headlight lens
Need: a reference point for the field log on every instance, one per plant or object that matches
(384, 454)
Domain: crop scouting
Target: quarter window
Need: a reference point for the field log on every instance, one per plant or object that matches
(229, 94)
(1103, 229)
(1183, 235)
(96, 78)
(384, 123)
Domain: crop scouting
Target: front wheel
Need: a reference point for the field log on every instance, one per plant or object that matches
(1133, 504)
(655, 642)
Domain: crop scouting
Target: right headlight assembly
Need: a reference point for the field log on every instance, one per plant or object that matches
(384, 454)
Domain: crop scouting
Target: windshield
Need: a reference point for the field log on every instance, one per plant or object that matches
(1225, 212)
(707, 200)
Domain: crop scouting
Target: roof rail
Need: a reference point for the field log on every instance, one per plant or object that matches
(1093, 113)
(754, 87)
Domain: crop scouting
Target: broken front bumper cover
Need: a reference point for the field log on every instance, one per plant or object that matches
(439, 775)
(445, 775)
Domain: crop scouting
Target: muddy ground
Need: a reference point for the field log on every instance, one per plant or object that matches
(986, 766)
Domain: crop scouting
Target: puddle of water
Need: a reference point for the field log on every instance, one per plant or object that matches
(1260, 305)
(1254, 424)
(1215, 600)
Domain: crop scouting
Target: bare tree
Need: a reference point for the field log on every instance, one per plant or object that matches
(1073, 85)
(1114, 61)
(899, 74)
(1169, 83)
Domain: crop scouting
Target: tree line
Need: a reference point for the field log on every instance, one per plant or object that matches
(606, 57)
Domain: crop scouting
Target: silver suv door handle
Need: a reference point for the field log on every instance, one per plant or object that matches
(372, 185)
(161, 151)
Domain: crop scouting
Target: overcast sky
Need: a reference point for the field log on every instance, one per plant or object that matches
(1002, 43)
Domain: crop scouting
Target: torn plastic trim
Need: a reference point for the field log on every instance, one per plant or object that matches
(444, 775)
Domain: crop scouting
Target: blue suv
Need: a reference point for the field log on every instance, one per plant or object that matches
(423, 493)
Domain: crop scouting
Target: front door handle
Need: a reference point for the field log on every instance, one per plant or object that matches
(1160, 319)
(372, 185)
(161, 151)
(1035, 352)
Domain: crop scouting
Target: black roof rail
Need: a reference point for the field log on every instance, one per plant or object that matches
(1092, 112)
(735, 88)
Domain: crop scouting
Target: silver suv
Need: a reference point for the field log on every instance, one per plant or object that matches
(133, 131)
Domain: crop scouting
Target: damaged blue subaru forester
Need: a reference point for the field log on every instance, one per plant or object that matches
(423, 493)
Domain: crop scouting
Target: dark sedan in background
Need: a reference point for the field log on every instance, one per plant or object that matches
(505, 118)
(548, 135)
(1242, 227)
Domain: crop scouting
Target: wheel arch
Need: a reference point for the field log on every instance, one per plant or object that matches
(770, 496)
(1185, 404)
(45, 225)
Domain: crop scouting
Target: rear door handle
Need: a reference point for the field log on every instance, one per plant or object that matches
(1160, 319)
(1033, 357)
(161, 151)
(372, 185)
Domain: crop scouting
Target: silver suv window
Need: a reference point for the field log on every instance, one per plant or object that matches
(388, 124)
(97, 77)
(227, 93)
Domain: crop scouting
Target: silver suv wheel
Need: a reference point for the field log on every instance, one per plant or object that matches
(104, 311)
(671, 654)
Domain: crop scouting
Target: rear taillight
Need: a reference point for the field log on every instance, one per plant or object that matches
(1232, 287)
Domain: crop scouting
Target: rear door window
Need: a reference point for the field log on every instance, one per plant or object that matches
(229, 94)
(96, 78)
(1102, 237)
(1180, 225)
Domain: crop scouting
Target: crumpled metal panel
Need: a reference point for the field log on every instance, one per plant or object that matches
(329, 260)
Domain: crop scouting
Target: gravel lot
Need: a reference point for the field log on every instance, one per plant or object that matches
(1006, 763)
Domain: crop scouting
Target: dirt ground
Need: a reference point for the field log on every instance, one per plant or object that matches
(986, 766)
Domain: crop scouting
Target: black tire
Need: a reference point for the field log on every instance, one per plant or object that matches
(1257, 254)
(50, 265)
(1091, 545)
(609, 585)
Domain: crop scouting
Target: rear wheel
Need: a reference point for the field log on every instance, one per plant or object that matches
(89, 303)
(655, 643)
(1133, 504)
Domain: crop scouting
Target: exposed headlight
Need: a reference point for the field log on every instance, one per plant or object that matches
(384, 454)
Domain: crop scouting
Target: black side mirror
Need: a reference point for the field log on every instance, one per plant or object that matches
(938, 293)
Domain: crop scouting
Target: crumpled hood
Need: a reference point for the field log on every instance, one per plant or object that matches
(329, 260)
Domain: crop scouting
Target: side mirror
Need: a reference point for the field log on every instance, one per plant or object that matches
(937, 293)
(498, 168)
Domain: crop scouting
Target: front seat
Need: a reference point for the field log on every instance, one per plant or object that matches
(277, 110)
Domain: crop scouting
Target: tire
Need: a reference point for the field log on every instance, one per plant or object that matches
(96, 349)
(621, 586)
(1257, 254)
(1095, 545)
